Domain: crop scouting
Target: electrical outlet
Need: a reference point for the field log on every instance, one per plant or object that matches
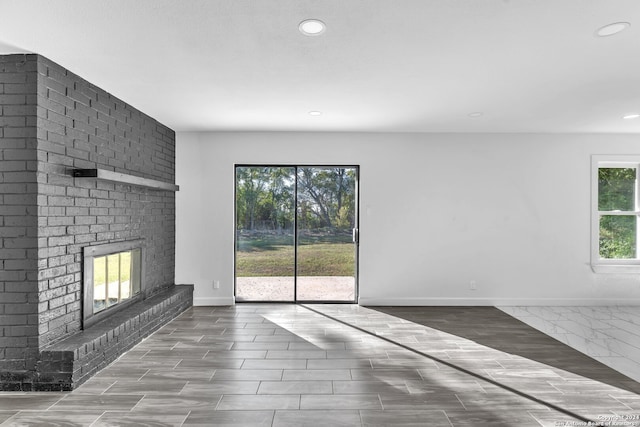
(472, 285)
(216, 284)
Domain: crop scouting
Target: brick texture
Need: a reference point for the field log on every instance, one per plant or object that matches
(81, 126)
(19, 321)
(67, 364)
(52, 121)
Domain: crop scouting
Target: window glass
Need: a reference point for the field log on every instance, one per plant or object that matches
(116, 278)
(99, 284)
(135, 275)
(125, 275)
(113, 276)
(113, 270)
(618, 236)
(615, 204)
(616, 189)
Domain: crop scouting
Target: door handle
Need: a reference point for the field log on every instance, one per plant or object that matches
(355, 235)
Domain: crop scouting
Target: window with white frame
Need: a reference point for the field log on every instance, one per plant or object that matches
(616, 209)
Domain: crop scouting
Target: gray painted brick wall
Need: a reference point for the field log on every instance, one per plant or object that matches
(18, 216)
(51, 121)
(82, 126)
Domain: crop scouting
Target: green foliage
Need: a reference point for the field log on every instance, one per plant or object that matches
(616, 193)
(616, 189)
(326, 197)
(345, 218)
(265, 198)
(618, 237)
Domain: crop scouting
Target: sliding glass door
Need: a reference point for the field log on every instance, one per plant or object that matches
(325, 246)
(265, 233)
(296, 233)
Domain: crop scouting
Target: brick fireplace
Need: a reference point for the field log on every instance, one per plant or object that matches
(52, 124)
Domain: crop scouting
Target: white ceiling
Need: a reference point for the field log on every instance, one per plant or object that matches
(381, 65)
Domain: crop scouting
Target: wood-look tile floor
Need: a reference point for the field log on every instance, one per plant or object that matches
(340, 365)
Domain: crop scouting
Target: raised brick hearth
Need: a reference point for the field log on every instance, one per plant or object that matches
(67, 364)
(52, 122)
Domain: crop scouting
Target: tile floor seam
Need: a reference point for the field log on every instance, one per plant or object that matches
(553, 386)
(621, 402)
(137, 403)
(185, 419)
(56, 402)
(96, 420)
(4, 423)
(461, 402)
(218, 402)
(444, 412)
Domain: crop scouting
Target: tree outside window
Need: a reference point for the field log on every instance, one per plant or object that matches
(618, 218)
(616, 211)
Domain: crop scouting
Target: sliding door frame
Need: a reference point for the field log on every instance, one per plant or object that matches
(356, 241)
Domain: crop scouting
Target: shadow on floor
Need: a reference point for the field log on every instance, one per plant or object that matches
(493, 328)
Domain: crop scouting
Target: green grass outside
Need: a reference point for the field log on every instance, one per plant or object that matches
(274, 257)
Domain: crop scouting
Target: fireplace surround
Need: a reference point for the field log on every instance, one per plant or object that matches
(54, 124)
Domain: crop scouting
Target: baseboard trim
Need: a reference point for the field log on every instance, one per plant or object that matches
(206, 301)
(505, 302)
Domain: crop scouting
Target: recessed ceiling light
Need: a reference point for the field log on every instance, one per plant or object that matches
(312, 27)
(475, 115)
(611, 29)
(631, 116)
(315, 113)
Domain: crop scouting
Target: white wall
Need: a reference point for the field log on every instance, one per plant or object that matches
(509, 211)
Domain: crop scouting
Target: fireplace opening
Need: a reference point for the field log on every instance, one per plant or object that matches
(113, 278)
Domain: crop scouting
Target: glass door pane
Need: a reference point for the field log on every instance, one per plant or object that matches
(326, 231)
(265, 239)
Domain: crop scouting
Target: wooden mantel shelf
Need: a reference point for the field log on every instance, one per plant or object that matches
(123, 178)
